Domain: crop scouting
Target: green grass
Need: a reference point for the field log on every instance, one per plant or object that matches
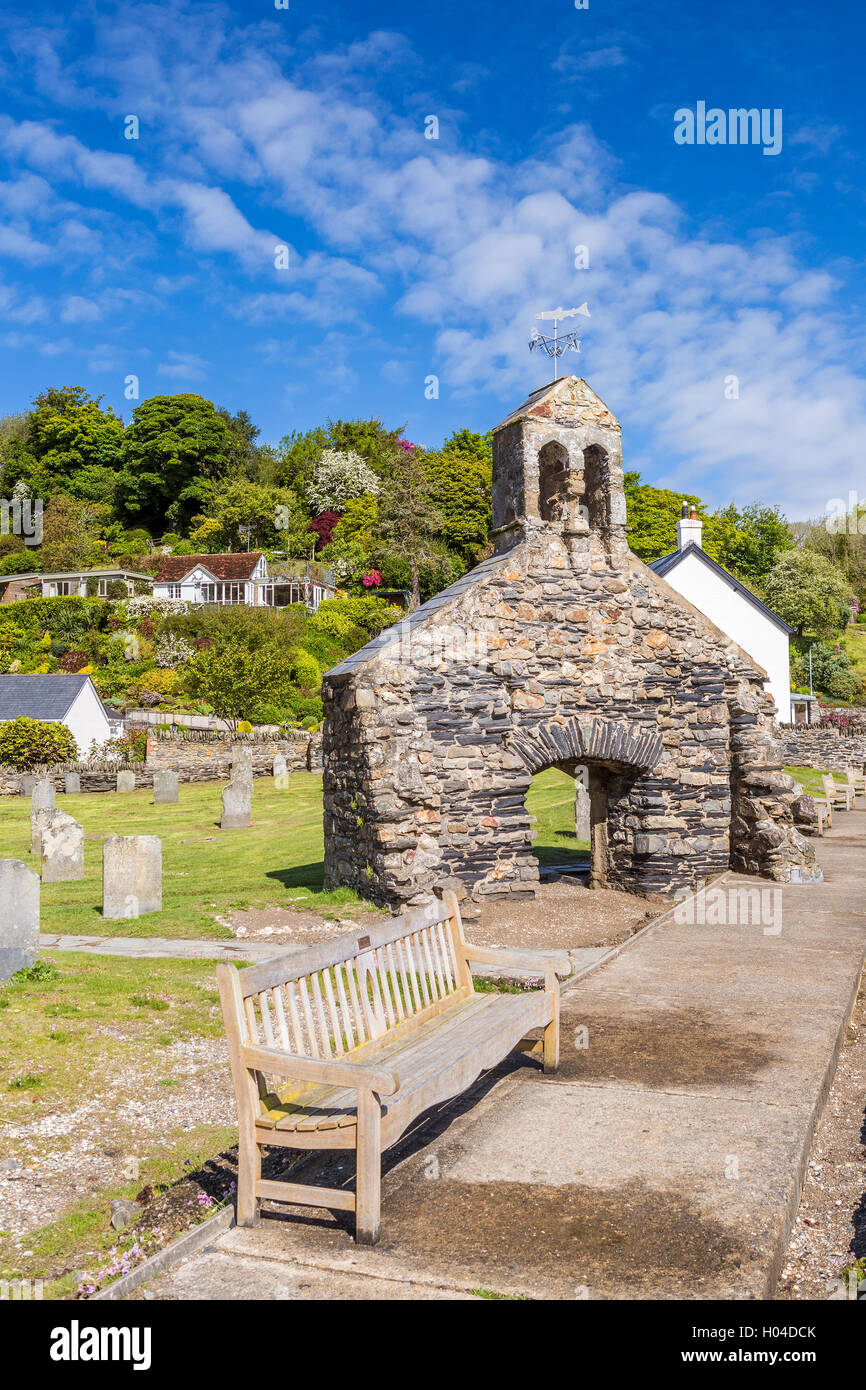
(206, 872)
(854, 643)
(810, 779)
(551, 801)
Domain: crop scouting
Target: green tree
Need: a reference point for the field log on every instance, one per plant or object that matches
(236, 680)
(77, 444)
(175, 447)
(461, 493)
(652, 514)
(748, 542)
(72, 533)
(833, 672)
(28, 743)
(409, 519)
(809, 592)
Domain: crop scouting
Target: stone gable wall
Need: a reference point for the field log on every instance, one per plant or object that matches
(426, 766)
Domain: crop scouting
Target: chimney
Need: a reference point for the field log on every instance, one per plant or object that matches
(689, 528)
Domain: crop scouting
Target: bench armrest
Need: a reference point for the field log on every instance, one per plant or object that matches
(519, 960)
(329, 1070)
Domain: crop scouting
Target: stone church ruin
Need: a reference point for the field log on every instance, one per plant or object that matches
(560, 650)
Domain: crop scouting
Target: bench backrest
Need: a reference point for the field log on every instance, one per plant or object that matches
(345, 994)
(829, 784)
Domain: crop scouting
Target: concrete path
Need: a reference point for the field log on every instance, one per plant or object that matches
(665, 1159)
(143, 947)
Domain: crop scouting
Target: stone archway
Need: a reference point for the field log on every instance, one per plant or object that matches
(586, 740)
(614, 755)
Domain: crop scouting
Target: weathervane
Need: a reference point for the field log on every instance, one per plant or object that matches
(557, 344)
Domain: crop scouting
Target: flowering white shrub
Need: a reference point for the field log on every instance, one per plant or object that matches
(144, 604)
(340, 477)
(172, 651)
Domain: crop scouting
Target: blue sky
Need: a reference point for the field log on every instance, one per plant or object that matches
(409, 257)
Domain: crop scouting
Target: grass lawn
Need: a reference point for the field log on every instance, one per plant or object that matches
(810, 779)
(208, 872)
(551, 801)
(854, 643)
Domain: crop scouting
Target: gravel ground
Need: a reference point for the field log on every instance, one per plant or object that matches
(564, 914)
(832, 1217)
(71, 1154)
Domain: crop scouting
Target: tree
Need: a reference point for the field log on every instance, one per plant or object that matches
(71, 533)
(809, 593)
(243, 450)
(652, 514)
(339, 478)
(832, 672)
(460, 491)
(268, 511)
(748, 542)
(235, 680)
(76, 444)
(175, 447)
(410, 520)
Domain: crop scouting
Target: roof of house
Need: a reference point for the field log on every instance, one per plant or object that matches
(666, 563)
(40, 697)
(237, 565)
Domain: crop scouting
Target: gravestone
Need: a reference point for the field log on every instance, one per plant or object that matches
(126, 781)
(62, 850)
(72, 784)
(237, 806)
(281, 772)
(39, 822)
(165, 785)
(131, 876)
(26, 784)
(42, 798)
(242, 764)
(582, 816)
(19, 917)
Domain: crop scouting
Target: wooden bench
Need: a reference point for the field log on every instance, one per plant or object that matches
(857, 782)
(341, 1046)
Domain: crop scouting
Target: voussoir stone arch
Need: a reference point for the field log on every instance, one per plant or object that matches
(586, 740)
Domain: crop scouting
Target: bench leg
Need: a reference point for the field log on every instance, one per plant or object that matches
(368, 1181)
(550, 1051)
(249, 1173)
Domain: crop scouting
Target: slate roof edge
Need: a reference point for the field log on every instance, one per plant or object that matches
(379, 644)
(666, 563)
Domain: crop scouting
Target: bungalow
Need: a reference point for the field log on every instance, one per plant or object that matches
(242, 577)
(63, 583)
(69, 700)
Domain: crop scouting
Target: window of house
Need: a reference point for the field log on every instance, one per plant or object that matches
(209, 593)
(174, 591)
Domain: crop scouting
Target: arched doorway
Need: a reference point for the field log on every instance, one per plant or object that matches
(614, 756)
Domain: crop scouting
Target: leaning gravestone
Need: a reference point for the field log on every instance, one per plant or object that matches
(126, 781)
(237, 806)
(281, 772)
(62, 850)
(19, 917)
(72, 784)
(42, 798)
(165, 787)
(39, 822)
(131, 875)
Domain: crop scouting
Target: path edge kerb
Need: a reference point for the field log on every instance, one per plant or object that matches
(187, 1244)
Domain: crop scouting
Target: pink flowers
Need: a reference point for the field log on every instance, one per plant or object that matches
(374, 577)
(406, 445)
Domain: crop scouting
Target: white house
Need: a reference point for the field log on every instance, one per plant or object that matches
(731, 606)
(66, 583)
(241, 577)
(69, 700)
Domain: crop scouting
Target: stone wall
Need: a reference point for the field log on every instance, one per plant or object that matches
(825, 747)
(565, 651)
(194, 757)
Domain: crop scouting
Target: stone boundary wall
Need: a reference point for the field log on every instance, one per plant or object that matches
(194, 757)
(204, 723)
(805, 745)
(204, 758)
